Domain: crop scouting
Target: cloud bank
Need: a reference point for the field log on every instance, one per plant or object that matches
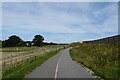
(60, 22)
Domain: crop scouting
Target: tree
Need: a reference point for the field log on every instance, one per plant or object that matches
(38, 40)
(21, 44)
(28, 43)
(4, 43)
(14, 41)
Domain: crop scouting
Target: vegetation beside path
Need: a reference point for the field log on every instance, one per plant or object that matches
(102, 59)
(19, 72)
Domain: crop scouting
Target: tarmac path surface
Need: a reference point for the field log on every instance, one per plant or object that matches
(59, 66)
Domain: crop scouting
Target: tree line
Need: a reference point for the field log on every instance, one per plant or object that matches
(16, 41)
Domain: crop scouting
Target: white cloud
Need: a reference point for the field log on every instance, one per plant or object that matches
(52, 21)
(60, 18)
(60, 0)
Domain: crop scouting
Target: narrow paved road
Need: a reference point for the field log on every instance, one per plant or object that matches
(59, 66)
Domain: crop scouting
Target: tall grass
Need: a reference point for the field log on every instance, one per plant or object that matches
(101, 58)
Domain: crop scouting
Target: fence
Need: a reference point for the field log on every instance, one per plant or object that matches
(13, 60)
(112, 39)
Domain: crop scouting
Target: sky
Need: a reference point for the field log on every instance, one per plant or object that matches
(60, 22)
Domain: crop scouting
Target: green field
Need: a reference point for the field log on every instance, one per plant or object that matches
(37, 55)
(22, 69)
(102, 59)
(29, 49)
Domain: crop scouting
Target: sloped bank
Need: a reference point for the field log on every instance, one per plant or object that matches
(102, 59)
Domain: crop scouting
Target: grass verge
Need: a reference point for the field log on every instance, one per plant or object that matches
(102, 59)
(19, 72)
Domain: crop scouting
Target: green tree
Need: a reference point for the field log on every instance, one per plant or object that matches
(14, 41)
(38, 40)
(21, 44)
(28, 43)
(4, 43)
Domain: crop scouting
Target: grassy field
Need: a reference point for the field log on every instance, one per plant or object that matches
(15, 51)
(20, 71)
(18, 61)
(102, 59)
(36, 55)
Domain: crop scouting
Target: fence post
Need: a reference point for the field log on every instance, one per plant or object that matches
(11, 58)
(22, 59)
(3, 67)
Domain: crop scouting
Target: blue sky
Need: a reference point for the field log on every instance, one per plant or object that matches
(63, 22)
